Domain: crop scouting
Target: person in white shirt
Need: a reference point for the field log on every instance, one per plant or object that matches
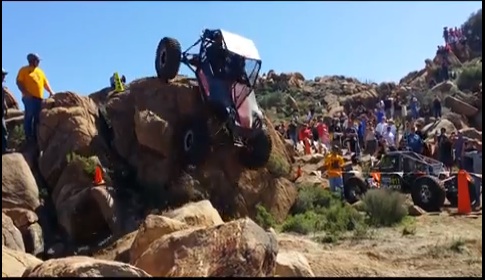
(389, 137)
(381, 127)
(391, 124)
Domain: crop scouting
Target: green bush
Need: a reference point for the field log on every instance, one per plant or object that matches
(269, 100)
(303, 223)
(89, 164)
(311, 198)
(278, 165)
(16, 137)
(384, 207)
(317, 209)
(263, 218)
(470, 77)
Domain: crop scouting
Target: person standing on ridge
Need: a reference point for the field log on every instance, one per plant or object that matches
(32, 82)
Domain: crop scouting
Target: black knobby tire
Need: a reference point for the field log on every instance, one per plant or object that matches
(354, 188)
(435, 191)
(452, 197)
(192, 140)
(256, 151)
(168, 58)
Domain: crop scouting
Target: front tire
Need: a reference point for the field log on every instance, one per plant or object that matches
(168, 58)
(256, 151)
(354, 188)
(428, 193)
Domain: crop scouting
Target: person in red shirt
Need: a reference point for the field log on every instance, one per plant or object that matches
(323, 133)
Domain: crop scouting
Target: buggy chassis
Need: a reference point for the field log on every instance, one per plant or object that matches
(408, 172)
(232, 105)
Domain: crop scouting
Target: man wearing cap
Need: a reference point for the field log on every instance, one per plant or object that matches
(4, 112)
(32, 82)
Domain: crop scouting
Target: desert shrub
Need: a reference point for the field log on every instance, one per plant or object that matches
(270, 99)
(470, 77)
(303, 223)
(89, 164)
(263, 218)
(384, 207)
(278, 165)
(16, 137)
(317, 209)
(310, 198)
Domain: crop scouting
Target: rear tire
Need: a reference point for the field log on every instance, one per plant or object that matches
(428, 193)
(255, 154)
(354, 188)
(192, 140)
(168, 58)
(452, 197)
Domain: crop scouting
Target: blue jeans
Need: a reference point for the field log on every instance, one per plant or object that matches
(32, 107)
(294, 139)
(414, 112)
(336, 185)
(437, 113)
(4, 136)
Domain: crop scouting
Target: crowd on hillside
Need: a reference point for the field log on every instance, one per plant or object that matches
(452, 36)
(374, 132)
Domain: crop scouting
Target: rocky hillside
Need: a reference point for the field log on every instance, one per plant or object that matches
(283, 94)
(155, 216)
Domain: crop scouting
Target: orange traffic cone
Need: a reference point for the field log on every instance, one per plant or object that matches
(98, 176)
(464, 203)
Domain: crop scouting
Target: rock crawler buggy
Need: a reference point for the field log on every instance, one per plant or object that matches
(408, 172)
(226, 68)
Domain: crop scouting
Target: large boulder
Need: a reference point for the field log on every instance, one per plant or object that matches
(67, 125)
(27, 223)
(19, 188)
(11, 235)
(14, 263)
(458, 106)
(145, 119)
(80, 266)
(237, 249)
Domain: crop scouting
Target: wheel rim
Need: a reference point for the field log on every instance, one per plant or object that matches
(425, 194)
(188, 140)
(163, 57)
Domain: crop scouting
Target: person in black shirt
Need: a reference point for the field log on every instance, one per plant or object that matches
(292, 133)
(336, 130)
(351, 140)
(445, 149)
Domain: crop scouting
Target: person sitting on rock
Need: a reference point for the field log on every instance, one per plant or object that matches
(32, 82)
(333, 164)
(4, 113)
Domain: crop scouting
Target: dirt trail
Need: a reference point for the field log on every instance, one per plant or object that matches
(441, 246)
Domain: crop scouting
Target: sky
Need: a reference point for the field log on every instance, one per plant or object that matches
(83, 43)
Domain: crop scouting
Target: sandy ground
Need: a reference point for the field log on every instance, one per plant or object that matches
(441, 245)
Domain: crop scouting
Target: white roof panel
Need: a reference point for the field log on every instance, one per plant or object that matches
(240, 45)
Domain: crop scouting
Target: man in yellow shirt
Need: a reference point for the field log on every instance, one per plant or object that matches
(334, 164)
(32, 82)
